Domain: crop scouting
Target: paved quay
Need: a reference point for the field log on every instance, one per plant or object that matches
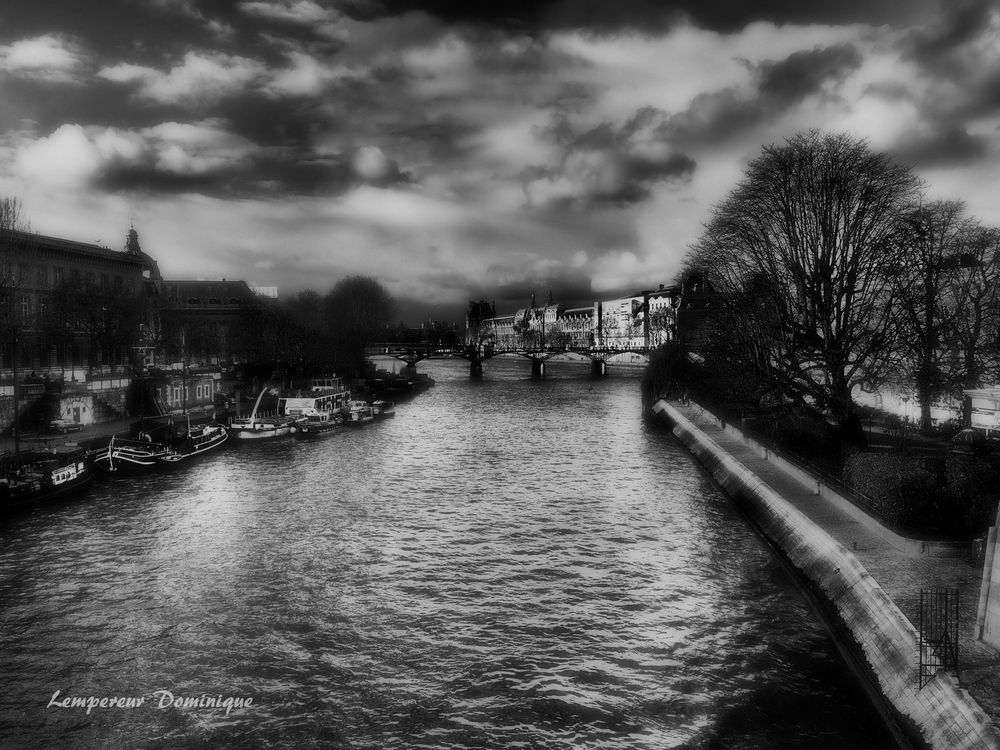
(899, 574)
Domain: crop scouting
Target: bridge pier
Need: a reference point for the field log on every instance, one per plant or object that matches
(598, 368)
(538, 368)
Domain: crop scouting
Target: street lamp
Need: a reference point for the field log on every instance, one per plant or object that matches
(905, 398)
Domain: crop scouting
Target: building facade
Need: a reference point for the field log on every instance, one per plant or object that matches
(63, 303)
(643, 320)
(202, 321)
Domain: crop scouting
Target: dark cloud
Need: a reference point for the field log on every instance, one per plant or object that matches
(609, 165)
(714, 117)
(958, 24)
(653, 15)
(949, 146)
(568, 287)
(804, 73)
(267, 173)
(718, 116)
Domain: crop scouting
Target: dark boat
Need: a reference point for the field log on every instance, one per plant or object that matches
(359, 413)
(383, 409)
(197, 441)
(36, 477)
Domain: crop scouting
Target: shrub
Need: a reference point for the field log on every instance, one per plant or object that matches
(931, 497)
(804, 436)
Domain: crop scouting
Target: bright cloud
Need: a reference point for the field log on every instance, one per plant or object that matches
(48, 57)
(199, 77)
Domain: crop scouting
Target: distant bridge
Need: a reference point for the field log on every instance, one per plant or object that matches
(412, 353)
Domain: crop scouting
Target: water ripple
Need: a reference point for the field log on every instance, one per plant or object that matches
(506, 564)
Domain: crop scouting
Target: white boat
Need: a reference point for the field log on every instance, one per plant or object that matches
(256, 427)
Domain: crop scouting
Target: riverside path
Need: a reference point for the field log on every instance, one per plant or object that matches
(900, 574)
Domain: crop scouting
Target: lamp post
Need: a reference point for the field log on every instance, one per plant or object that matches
(905, 398)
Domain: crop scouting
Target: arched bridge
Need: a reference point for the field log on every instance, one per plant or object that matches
(412, 353)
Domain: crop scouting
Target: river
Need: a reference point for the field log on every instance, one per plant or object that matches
(508, 563)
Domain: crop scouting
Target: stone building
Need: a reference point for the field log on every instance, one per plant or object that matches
(204, 319)
(40, 276)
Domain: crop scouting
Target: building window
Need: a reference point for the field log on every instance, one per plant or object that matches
(57, 275)
(74, 274)
(131, 286)
(89, 278)
(118, 282)
(25, 307)
(43, 276)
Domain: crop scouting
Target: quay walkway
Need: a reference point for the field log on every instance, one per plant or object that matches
(900, 574)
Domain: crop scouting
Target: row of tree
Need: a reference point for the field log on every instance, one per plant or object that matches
(829, 271)
(313, 332)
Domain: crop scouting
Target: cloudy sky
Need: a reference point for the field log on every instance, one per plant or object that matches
(462, 150)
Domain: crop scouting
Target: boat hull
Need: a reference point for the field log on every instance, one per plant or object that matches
(199, 446)
(315, 431)
(130, 459)
(259, 432)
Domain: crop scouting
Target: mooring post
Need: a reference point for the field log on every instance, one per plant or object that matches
(598, 368)
(537, 368)
(475, 368)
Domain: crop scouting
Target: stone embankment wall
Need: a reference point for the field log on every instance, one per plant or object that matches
(945, 715)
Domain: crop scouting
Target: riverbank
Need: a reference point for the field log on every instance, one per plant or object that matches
(92, 434)
(871, 583)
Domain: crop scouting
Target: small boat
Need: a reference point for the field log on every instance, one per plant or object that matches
(197, 441)
(319, 424)
(37, 477)
(131, 456)
(383, 409)
(256, 427)
(359, 412)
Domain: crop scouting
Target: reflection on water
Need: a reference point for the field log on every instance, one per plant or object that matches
(507, 563)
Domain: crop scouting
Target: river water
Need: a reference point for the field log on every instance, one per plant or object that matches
(506, 564)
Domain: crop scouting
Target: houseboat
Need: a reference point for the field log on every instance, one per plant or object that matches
(41, 476)
(318, 413)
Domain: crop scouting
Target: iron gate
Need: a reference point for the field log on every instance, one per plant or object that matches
(938, 631)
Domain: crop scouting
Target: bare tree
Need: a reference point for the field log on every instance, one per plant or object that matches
(814, 231)
(973, 291)
(934, 236)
